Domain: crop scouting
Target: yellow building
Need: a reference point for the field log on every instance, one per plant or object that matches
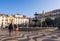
(10, 19)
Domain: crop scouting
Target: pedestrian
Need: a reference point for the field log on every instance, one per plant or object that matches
(10, 28)
(17, 29)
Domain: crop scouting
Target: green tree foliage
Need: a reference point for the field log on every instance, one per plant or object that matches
(49, 22)
(37, 23)
(44, 24)
(57, 21)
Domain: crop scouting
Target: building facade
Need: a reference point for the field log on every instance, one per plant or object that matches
(20, 19)
(5, 19)
(51, 14)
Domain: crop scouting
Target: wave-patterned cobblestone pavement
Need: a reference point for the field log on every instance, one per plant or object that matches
(30, 36)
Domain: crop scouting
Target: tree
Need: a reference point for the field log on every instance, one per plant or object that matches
(44, 24)
(57, 21)
(49, 22)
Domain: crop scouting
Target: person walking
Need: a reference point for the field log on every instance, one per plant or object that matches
(17, 29)
(10, 28)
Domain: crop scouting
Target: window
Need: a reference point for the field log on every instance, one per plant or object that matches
(5, 23)
(2, 20)
(2, 16)
(16, 21)
(6, 20)
(16, 18)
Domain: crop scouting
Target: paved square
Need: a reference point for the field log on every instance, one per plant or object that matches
(30, 36)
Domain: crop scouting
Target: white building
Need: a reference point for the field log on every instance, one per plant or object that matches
(17, 19)
(20, 19)
(3, 20)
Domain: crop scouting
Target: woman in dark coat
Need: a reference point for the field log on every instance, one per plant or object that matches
(10, 28)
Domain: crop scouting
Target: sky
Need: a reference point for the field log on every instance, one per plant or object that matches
(27, 7)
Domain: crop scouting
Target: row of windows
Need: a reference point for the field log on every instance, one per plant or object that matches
(4, 17)
(16, 21)
(5, 20)
(4, 23)
(20, 21)
(19, 18)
